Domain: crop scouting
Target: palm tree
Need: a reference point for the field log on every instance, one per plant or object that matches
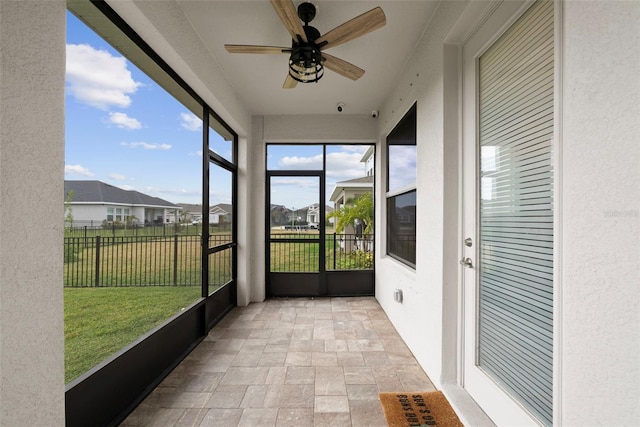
(360, 209)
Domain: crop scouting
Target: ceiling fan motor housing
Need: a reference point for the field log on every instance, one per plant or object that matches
(306, 12)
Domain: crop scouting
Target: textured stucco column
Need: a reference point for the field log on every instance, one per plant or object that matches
(600, 289)
(32, 52)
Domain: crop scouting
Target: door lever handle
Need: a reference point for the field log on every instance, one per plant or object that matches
(466, 262)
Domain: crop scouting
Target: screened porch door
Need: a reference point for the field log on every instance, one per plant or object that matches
(303, 259)
(507, 264)
(295, 250)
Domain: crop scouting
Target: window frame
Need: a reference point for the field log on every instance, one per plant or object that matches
(403, 134)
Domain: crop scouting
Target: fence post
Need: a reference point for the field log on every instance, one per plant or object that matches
(97, 282)
(334, 250)
(175, 259)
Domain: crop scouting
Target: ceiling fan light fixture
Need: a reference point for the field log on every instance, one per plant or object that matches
(305, 63)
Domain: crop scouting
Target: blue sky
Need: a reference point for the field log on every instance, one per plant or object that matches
(125, 130)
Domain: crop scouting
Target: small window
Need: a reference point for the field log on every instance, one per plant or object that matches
(401, 227)
(110, 214)
(401, 190)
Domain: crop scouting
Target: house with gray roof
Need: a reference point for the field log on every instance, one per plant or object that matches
(354, 188)
(220, 214)
(95, 203)
(188, 213)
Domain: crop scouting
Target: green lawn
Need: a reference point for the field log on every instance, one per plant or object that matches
(100, 321)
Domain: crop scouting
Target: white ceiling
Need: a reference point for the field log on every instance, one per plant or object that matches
(257, 79)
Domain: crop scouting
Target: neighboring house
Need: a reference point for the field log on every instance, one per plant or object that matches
(343, 193)
(189, 213)
(280, 215)
(354, 188)
(220, 214)
(350, 189)
(95, 203)
(369, 161)
(313, 214)
(308, 215)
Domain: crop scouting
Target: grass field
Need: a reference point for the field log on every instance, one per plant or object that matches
(100, 321)
(140, 260)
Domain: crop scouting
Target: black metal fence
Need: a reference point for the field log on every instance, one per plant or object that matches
(139, 260)
(349, 251)
(300, 252)
(94, 228)
(175, 260)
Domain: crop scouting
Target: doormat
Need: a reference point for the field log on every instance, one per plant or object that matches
(405, 409)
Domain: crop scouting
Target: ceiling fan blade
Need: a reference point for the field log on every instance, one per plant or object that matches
(358, 26)
(342, 67)
(289, 82)
(289, 16)
(246, 48)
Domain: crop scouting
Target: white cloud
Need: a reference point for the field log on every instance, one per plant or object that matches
(173, 192)
(402, 165)
(117, 177)
(343, 165)
(146, 145)
(301, 163)
(97, 78)
(296, 182)
(355, 148)
(190, 121)
(123, 121)
(77, 170)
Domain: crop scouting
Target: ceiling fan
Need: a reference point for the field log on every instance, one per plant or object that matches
(307, 58)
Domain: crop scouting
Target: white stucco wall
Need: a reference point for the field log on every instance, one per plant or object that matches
(419, 319)
(598, 359)
(600, 196)
(255, 287)
(31, 175)
(340, 128)
(347, 128)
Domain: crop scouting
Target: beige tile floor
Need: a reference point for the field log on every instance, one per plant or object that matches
(288, 362)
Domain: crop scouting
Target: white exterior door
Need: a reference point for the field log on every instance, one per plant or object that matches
(508, 113)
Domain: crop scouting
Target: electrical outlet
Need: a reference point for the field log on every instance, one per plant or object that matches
(397, 295)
